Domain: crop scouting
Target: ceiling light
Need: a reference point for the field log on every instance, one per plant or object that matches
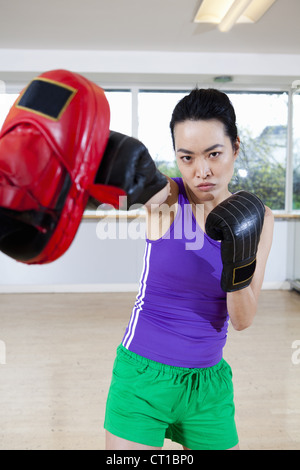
(226, 13)
(234, 13)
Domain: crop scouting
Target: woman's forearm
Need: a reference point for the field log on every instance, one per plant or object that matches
(241, 307)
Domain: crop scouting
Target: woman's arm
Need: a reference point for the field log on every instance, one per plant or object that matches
(161, 209)
(242, 304)
(159, 198)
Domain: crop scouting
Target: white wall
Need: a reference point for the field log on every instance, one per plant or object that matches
(103, 265)
(154, 62)
(90, 264)
(171, 67)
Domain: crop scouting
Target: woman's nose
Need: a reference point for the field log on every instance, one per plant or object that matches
(202, 169)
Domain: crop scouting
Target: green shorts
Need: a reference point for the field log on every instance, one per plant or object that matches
(149, 401)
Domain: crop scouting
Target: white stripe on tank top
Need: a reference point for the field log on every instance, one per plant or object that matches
(139, 300)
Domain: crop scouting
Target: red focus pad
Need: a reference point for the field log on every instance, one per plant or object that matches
(21, 179)
(51, 146)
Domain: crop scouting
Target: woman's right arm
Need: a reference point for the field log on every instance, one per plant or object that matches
(161, 197)
(161, 210)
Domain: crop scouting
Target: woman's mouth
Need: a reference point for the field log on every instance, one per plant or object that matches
(206, 186)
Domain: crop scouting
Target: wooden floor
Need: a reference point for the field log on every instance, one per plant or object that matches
(59, 354)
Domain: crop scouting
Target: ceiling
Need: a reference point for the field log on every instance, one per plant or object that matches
(150, 25)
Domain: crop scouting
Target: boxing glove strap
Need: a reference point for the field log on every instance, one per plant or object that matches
(243, 273)
(238, 275)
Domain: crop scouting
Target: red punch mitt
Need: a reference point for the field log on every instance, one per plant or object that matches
(51, 146)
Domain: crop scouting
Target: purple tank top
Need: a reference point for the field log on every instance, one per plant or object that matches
(180, 315)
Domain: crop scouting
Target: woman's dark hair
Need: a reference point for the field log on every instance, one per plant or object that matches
(206, 104)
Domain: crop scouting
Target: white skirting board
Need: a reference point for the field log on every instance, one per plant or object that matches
(100, 288)
(295, 284)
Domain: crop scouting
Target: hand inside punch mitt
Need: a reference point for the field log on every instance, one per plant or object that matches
(237, 222)
(127, 165)
(51, 147)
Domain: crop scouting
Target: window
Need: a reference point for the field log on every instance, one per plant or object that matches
(296, 151)
(154, 115)
(120, 103)
(262, 122)
(6, 102)
(262, 119)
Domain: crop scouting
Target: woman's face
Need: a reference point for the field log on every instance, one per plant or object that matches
(205, 158)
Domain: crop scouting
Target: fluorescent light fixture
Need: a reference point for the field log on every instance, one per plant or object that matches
(212, 11)
(234, 13)
(256, 10)
(226, 13)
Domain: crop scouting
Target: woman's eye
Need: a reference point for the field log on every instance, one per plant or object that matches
(186, 158)
(214, 154)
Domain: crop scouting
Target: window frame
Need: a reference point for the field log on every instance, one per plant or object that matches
(135, 88)
(290, 170)
(263, 90)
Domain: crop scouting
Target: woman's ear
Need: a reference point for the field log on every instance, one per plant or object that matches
(236, 147)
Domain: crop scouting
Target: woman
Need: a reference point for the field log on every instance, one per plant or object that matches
(170, 378)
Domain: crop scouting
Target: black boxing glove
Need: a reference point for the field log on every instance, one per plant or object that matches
(237, 222)
(127, 164)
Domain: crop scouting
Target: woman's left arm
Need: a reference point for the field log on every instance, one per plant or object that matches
(242, 304)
